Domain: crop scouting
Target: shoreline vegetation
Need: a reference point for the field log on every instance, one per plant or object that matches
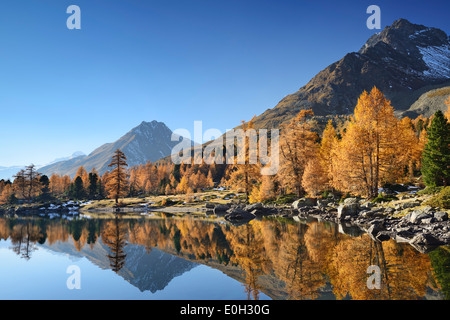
(405, 218)
(390, 177)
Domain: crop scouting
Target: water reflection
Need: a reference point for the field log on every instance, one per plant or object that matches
(280, 259)
(23, 238)
(114, 235)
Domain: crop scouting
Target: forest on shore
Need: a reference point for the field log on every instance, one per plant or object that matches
(355, 156)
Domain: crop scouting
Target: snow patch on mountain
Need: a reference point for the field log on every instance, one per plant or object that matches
(437, 60)
(418, 33)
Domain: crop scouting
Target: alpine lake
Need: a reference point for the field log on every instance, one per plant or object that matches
(158, 256)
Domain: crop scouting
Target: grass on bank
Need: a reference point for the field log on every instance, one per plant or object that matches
(180, 200)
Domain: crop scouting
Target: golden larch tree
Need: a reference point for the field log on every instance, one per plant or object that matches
(447, 113)
(117, 183)
(264, 191)
(297, 145)
(326, 150)
(246, 175)
(371, 151)
(375, 122)
(315, 178)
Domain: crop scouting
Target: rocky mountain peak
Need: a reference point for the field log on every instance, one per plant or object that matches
(405, 37)
(149, 141)
(402, 60)
(150, 129)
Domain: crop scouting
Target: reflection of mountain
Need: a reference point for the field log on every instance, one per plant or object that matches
(151, 271)
(154, 270)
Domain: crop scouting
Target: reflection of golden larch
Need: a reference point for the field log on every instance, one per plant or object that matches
(114, 235)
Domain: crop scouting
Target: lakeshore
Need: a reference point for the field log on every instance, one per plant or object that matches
(405, 220)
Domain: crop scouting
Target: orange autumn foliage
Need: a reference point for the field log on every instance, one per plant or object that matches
(371, 151)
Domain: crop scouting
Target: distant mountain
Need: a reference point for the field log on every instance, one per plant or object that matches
(149, 141)
(8, 172)
(403, 61)
(73, 156)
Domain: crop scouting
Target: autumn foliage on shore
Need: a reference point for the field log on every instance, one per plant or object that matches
(358, 155)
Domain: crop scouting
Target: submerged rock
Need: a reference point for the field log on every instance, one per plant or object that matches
(210, 206)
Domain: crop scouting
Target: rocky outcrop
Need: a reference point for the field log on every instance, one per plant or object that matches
(303, 202)
(241, 213)
(349, 208)
(424, 228)
(238, 215)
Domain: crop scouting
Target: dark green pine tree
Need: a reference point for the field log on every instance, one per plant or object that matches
(45, 188)
(436, 154)
(93, 185)
(77, 189)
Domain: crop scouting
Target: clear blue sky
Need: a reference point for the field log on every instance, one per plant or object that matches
(173, 61)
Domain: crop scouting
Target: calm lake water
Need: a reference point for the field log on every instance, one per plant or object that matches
(187, 258)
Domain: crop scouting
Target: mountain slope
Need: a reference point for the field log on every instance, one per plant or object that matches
(429, 103)
(149, 141)
(400, 60)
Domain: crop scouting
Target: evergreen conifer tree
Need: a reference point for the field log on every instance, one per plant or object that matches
(436, 154)
(77, 188)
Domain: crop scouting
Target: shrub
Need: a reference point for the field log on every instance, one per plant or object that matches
(286, 198)
(442, 199)
(384, 198)
(325, 194)
(166, 202)
(430, 190)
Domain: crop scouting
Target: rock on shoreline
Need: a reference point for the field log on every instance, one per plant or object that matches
(69, 207)
(424, 228)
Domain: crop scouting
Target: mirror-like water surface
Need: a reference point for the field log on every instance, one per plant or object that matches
(186, 258)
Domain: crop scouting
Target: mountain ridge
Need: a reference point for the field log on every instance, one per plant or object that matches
(401, 59)
(404, 61)
(149, 141)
